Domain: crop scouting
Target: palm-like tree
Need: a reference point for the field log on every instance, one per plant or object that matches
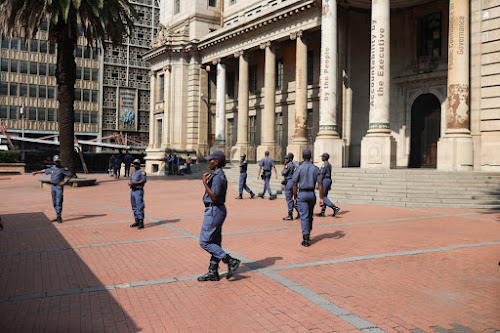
(99, 20)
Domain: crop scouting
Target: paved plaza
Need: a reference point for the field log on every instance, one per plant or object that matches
(370, 269)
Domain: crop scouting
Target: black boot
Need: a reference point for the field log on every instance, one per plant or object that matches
(141, 224)
(289, 217)
(59, 218)
(239, 197)
(322, 213)
(298, 214)
(54, 220)
(261, 195)
(307, 241)
(232, 265)
(211, 275)
(272, 197)
(335, 210)
(136, 224)
(252, 195)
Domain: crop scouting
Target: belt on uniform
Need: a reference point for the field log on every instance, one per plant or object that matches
(305, 190)
(211, 204)
(137, 189)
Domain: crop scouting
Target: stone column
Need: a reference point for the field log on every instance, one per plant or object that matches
(378, 147)
(328, 139)
(268, 114)
(299, 142)
(220, 107)
(241, 146)
(152, 100)
(167, 70)
(456, 147)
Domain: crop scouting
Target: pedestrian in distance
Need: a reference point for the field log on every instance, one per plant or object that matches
(304, 181)
(117, 167)
(243, 178)
(267, 164)
(136, 184)
(288, 170)
(127, 160)
(325, 177)
(111, 166)
(170, 161)
(215, 213)
(58, 174)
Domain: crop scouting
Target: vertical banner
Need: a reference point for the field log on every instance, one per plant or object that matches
(127, 109)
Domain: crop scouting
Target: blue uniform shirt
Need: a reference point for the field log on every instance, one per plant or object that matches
(290, 168)
(306, 176)
(266, 163)
(57, 174)
(244, 166)
(138, 176)
(326, 169)
(218, 184)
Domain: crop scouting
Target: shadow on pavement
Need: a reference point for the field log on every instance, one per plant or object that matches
(48, 287)
(87, 216)
(154, 224)
(336, 235)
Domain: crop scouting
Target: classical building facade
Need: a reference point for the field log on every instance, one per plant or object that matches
(106, 81)
(377, 84)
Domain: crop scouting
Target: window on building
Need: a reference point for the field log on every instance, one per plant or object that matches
(31, 113)
(14, 44)
(279, 73)
(51, 92)
(22, 45)
(95, 53)
(13, 87)
(95, 96)
(42, 114)
(161, 93)
(23, 90)
(86, 95)
(212, 3)
(52, 69)
(13, 112)
(230, 84)
(42, 91)
(93, 117)
(230, 132)
(85, 117)
(14, 66)
(3, 111)
(79, 51)
(78, 73)
(33, 68)
(78, 95)
(278, 129)
(32, 90)
(309, 127)
(51, 115)
(430, 35)
(52, 48)
(177, 6)
(5, 65)
(310, 67)
(159, 132)
(44, 25)
(252, 75)
(43, 46)
(252, 130)
(86, 74)
(42, 68)
(23, 69)
(34, 45)
(86, 52)
(5, 42)
(3, 88)
(232, 2)
(95, 75)
(78, 115)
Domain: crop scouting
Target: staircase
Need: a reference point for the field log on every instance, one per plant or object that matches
(397, 187)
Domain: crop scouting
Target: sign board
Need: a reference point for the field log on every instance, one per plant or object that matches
(127, 109)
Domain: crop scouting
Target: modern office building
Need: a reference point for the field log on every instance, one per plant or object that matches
(111, 90)
(377, 84)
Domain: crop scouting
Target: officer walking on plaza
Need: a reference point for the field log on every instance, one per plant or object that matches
(304, 181)
(215, 214)
(127, 160)
(326, 178)
(267, 164)
(136, 184)
(57, 178)
(243, 178)
(288, 169)
(117, 167)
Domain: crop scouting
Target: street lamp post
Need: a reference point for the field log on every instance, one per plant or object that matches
(21, 111)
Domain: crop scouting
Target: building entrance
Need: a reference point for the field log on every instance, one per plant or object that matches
(425, 131)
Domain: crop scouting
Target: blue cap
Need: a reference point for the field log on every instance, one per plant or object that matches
(56, 158)
(266, 152)
(136, 161)
(289, 156)
(325, 155)
(217, 155)
(306, 153)
(243, 155)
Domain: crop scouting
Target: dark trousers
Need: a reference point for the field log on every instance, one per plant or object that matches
(243, 183)
(267, 176)
(289, 195)
(57, 197)
(211, 232)
(137, 202)
(327, 185)
(127, 170)
(305, 203)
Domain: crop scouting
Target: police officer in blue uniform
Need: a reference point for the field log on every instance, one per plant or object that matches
(243, 178)
(326, 178)
(127, 160)
(304, 181)
(136, 183)
(267, 164)
(288, 169)
(57, 173)
(215, 213)
(117, 167)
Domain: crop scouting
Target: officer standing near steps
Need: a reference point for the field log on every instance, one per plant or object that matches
(57, 174)
(215, 213)
(243, 178)
(267, 164)
(304, 181)
(288, 169)
(326, 178)
(136, 183)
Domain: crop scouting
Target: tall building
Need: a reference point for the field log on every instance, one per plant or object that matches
(377, 84)
(111, 91)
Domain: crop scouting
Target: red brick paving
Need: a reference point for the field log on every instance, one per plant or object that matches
(397, 294)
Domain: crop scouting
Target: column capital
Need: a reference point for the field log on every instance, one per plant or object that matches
(239, 53)
(167, 68)
(265, 45)
(296, 34)
(216, 61)
(152, 73)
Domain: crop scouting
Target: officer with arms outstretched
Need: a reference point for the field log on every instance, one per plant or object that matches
(57, 173)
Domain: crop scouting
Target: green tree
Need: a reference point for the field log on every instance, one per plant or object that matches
(98, 19)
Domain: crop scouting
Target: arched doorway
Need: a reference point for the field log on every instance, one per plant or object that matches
(425, 131)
